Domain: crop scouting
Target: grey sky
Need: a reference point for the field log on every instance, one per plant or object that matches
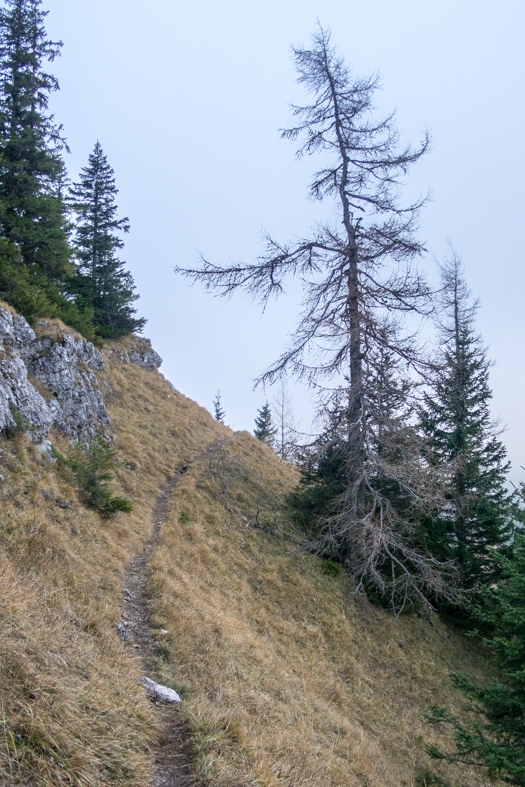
(187, 100)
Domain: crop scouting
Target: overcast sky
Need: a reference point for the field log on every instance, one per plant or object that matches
(187, 100)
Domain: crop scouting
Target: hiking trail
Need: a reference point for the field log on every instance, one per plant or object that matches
(171, 758)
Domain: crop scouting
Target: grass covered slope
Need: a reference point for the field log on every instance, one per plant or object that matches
(287, 678)
(71, 708)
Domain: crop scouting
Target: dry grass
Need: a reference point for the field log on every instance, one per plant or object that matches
(71, 708)
(7, 307)
(288, 679)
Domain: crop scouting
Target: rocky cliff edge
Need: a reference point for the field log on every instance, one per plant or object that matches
(48, 379)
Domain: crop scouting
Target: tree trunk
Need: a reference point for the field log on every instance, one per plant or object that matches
(355, 403)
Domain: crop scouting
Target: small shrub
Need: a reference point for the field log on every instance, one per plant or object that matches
(184, 517)
(21, 424)
(90, 465)
(332, 569)
(163, 652)
(115, 504)
(428, 779)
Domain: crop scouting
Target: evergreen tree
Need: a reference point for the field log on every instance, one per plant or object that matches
(101, 282)
(322, 481)
(218, 412)
(34, 252)
(401, 487)
(493, 736)
(264, 428)
(463, 442)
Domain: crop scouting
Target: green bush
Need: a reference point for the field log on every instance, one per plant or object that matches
(21, 424)
(90, 466)
(428, 779)
(332, 569)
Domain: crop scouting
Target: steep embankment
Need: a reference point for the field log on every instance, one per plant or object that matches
(287, 679)
(71, 708)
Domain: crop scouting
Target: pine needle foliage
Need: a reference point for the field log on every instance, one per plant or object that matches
(264, 428)
(218, 412)
(463, 440)
(91, 467)
(393, 565)
(34, 250)
(494, 735)
(321, 484)
(101, 282)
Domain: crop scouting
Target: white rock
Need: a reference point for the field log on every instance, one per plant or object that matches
(162, 692)
(65, 366)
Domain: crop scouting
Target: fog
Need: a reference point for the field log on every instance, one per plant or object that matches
(187, 100)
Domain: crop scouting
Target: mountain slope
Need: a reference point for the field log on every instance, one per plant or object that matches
(287, 678)
(290, 679)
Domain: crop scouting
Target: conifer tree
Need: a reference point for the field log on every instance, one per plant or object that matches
(101, 282)
(463, 440)
(492, 734)
(264, 428)
(34, 251)
(322, 482)
(218, 412)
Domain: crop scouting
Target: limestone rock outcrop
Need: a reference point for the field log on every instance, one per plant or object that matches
(64, 366)
(49, 380)
(142, 354)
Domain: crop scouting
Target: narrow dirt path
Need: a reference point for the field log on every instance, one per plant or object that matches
(172, 764)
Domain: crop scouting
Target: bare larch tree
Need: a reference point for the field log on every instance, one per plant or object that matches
(286, 424)
(353, 271)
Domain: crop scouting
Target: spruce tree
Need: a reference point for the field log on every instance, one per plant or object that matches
(34, 252)
(463, 441)
(492, 734)
(218, 412)
(322, 481)
(401, 485)
(101, 283)
(264, 428)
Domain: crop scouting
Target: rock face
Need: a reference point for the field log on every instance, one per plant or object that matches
(65, 366)
(146, 357)
(21, 406)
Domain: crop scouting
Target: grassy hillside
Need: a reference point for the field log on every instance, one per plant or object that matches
(287, 678)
